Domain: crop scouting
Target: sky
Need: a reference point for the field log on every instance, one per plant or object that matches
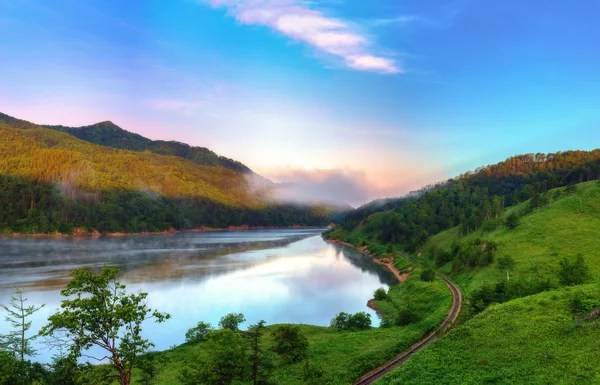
(361, 99)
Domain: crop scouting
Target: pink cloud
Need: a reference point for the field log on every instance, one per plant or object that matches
(294, 18)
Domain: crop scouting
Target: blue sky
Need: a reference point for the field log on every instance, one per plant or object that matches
(383, 95)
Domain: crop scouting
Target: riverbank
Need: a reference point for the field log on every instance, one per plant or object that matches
(386, 262)
(94, 234)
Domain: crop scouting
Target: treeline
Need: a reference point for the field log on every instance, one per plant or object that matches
(473, 198)
(28, 207)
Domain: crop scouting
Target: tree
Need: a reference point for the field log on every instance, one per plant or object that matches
(17, 315)
(14, 371)
(380, 294)
(573, 273)
(358, 321)
(225, 360)
(98, 312)
(290, 343)
(198, 333)
(232, 321)
(506, 264)
(261, 362)
(428, 275)
(512, 220)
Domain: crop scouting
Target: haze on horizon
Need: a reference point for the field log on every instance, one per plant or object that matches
(345, 97)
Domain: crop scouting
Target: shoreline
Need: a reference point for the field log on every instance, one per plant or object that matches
(401, 277)
(78, 233)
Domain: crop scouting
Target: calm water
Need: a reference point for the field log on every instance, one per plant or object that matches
(281, 276)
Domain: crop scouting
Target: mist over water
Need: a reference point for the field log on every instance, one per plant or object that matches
(281, 276)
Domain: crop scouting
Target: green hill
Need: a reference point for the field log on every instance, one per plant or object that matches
(523, 321)
(533, 340)
(52, 181)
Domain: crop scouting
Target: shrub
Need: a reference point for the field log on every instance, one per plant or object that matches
(290, 343)
(512, 220)
(406, 317)
(380, 294)
(428, 275)
(491, 225)
(573, 273)
(198, 333)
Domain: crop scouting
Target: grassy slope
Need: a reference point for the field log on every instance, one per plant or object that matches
(38, 153)
(531, 340)
(563, 228)
(344, 355)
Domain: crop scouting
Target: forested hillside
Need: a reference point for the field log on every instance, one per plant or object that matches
(108, 134)
(50, 180)
(470, 200)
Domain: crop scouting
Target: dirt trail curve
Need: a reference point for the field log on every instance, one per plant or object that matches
(384, 369)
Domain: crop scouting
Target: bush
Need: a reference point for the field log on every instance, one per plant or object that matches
(198, 333)
(512, 220)
(406, 317)
(358, 321)
(491, 225)
(232, 321)
(380, 294)
(573, 273)
(290, 343)
(428, 275)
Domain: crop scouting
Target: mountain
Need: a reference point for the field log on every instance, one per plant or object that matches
(108, 134)
(51, 180)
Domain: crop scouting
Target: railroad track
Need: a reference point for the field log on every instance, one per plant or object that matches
(384, 369)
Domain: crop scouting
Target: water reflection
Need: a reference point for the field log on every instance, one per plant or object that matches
(276, 275)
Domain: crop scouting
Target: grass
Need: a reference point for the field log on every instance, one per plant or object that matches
(564, 228)
(535, 339)
(531, 340)
(343, 355)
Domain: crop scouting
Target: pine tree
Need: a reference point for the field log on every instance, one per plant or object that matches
(18, 315)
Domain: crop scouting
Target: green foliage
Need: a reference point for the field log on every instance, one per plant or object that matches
(380, 294)
(150, 365)
(14, 371)
(225, 360)
(312, 373)
(531, 340)
(232, 321)
(354, 322)
(98, 312)
(512, 220)
(198, 333)
(506, 263)
(428, 275)
(262, 362)
(573, 273)
(67, 371)
(17, 316)
(290, 343)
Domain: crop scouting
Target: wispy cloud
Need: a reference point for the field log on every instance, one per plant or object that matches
(406, 19)
(297, 20)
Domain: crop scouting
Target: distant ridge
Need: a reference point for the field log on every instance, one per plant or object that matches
(108, 134)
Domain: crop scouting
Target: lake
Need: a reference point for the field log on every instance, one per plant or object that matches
(280, 276)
